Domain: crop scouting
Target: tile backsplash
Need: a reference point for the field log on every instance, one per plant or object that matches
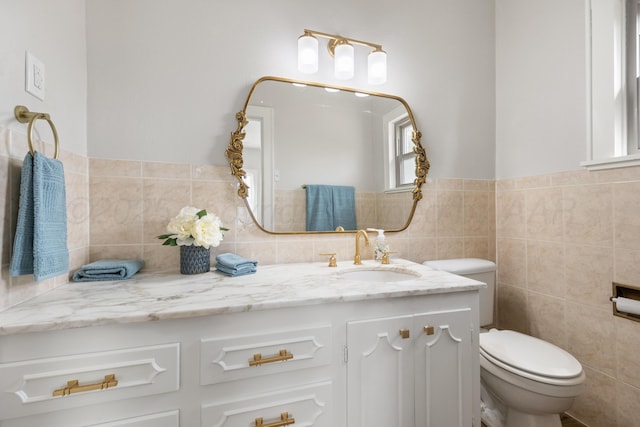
(116, 208)
(132, 202)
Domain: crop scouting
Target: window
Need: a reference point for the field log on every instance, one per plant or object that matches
(633, 72)
(613, 52)
(405, 158)
(400, 160)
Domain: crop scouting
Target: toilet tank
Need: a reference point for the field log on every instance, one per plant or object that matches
(481, 270)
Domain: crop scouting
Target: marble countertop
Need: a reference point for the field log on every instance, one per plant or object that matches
(157, 296)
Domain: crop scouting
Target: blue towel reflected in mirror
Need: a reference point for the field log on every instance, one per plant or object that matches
(330, 207)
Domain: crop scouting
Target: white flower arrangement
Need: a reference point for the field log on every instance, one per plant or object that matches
(194, 227)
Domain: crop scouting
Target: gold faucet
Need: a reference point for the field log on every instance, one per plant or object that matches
(356, 258)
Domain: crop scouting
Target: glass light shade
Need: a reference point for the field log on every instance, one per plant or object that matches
(377, 67)
(343, 61)
(307, 54)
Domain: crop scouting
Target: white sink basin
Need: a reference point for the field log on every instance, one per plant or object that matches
(378, 275)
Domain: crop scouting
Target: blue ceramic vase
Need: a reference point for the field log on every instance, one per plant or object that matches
(194, 260)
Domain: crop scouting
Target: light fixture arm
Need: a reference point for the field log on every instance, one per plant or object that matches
(335, 40)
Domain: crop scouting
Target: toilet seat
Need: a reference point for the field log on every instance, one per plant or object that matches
(530, 357)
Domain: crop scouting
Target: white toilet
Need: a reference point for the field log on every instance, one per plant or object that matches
(526, 382)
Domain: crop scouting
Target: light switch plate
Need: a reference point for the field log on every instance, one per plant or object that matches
(34, 76)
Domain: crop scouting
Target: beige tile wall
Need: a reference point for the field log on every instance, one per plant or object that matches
(561, 240)
(131, 203)
(13, 147)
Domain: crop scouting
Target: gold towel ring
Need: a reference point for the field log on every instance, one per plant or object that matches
(23, 115)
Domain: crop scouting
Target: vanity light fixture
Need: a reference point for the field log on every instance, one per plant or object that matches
(341, 49)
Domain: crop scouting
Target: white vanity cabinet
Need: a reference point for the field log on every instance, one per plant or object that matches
(234, 370)
(292, 345)
(411, 370)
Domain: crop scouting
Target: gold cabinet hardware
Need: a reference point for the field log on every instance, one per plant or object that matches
(258, 360)
(284, 421)
(332, 259)
(74, 387)
(385, 257)
(429, 330)
(405, 333)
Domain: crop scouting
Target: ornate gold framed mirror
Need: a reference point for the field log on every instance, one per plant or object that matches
(303, 150)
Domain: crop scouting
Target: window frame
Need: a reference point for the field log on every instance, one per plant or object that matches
(403, 131)
(392, 120)
(620, 20)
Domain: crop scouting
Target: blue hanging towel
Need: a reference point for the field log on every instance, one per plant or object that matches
(40, 243)
(319, 208)
(329, 207)
(344, 207)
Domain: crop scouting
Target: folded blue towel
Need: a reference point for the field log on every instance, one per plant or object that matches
(108, 269)
(235, 265)
(40, 243)
(233, 272)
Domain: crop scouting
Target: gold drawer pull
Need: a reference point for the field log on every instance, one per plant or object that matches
(429, 330)
(405, 333)
(284, 421)
(258, 360)
(73, 386)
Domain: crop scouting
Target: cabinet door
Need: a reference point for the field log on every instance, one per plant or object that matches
(443, 369)
(380, 372)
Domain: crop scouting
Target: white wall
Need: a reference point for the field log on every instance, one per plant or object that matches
(322, 137)
(166, 77)
(54, 31)
(540, 86)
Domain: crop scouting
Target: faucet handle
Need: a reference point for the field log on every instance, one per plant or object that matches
(385, 256)
(332, 259)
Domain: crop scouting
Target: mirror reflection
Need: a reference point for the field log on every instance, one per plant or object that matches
(314, 158)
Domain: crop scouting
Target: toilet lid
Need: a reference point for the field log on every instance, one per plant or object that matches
(529, 354)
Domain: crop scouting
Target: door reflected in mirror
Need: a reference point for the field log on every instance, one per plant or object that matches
(312, 158)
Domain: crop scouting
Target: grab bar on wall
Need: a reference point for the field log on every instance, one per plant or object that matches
(23, 115)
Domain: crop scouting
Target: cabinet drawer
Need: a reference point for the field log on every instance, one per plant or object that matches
(44, 385)
(163, 419)
(308, 405)
(248, 356)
